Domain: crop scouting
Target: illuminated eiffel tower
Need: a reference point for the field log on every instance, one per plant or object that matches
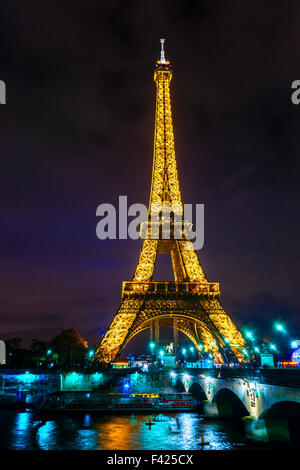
(191, 303)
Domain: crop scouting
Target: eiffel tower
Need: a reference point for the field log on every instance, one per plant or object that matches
(190, 304)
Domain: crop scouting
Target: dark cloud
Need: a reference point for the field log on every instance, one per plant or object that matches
(78, 131)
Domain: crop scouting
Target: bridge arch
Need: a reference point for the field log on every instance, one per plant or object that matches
(197, 392)
(230, 405)
(179, 387)
(282, 421)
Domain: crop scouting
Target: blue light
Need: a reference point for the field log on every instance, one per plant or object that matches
(49, 351)
(152, 345)
(183, 351)
(161, 353)
(294, 345)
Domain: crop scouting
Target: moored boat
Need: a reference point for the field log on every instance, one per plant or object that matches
(88, 401)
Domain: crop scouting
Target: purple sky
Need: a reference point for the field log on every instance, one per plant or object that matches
(77, 131)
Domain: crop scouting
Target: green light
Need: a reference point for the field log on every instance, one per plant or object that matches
(249, 335)
(280, 328)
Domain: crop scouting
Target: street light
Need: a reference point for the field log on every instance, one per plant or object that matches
(91, 353)
(161, 353)
(183, 351)
(273, 347)
(256, 349)
(152, 345)
(249, 335)
(191, 349)
(49, 352)
(294, 345)
(279, 327)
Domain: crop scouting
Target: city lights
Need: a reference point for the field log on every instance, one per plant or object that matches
(279, 327)
(249, 335)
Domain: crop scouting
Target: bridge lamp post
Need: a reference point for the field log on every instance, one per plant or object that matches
(249, 335)
(152, 349)
(161, 355)
(279, 327)
(183, 353)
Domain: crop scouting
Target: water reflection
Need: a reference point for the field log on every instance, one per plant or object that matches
(181, 431)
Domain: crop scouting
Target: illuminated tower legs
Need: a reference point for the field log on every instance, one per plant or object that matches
(151, 332)
(156, 330)
(175, 337)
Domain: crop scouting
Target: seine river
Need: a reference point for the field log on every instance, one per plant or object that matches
(91, 431)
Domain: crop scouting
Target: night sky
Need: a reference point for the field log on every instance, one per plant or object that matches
(77, 131)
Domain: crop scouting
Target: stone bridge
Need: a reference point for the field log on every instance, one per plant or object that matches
(268, 402)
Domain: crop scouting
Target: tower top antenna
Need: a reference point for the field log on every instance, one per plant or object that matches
(162, 51)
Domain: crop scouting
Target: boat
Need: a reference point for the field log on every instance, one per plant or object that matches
(116, 402)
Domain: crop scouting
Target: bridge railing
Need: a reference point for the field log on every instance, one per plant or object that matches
(279, 377)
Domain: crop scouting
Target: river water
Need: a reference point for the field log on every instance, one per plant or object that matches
(28, 430)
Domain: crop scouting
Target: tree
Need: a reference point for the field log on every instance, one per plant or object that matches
(70, 348)
(38, 351)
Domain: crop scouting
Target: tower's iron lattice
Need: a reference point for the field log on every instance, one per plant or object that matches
(190, 303)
